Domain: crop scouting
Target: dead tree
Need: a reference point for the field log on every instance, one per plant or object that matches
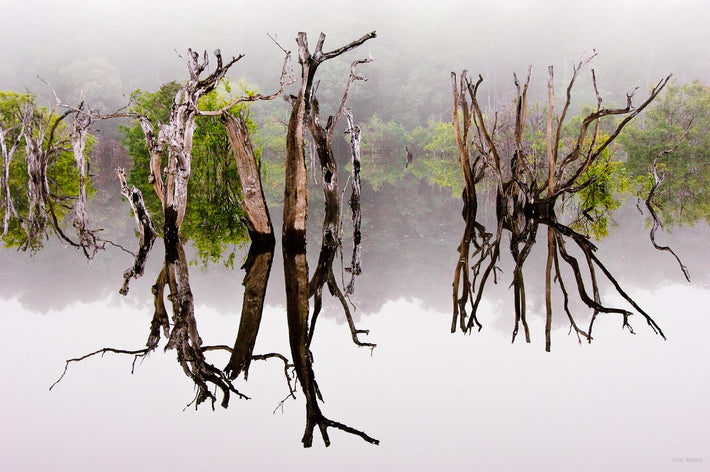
(294, 237)
(147, 233)
(331, 230)
(526, 197)
(44, 143)
(175, 136)
(10, 134)
(355, 268)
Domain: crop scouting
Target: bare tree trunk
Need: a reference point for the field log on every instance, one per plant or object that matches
(7, 154)
(176, 135)
(524, 199)
(294, 232)
(253, 201)
(355, 264)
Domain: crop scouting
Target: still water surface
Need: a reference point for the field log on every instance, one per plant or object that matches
(435, 400)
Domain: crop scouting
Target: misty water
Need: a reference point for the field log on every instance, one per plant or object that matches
(432, 398)
(467, 402)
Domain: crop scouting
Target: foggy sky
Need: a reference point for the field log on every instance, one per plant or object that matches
(638, 41)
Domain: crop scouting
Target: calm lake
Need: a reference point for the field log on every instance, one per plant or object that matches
(433, 399)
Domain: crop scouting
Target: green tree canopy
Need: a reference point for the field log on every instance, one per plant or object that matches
(213, 221)
(37, 199)
(680, 122)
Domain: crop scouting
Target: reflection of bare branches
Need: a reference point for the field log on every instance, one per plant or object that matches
(355, 269)
(145, 229)
(258, 267)
(573, 325)
(650, 201)
(588, 249)
(525, 198)
(332, 223)
(263, 357)
(298, 289)
(137, 354)
(184, 337)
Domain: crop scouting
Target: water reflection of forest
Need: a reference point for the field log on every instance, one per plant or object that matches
(407, 231)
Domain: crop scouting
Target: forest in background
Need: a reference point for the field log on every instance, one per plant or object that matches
(404, 109)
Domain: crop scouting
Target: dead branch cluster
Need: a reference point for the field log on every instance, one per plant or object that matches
(174, 139)
(527, 188)
(45, 139)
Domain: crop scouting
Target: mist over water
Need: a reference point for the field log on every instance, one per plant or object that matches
(434, 399)
(418, 45)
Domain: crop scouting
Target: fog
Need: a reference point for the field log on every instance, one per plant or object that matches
(135, 44)
(435, 399)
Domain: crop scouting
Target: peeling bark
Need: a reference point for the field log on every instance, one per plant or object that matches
(176, 135)
(253, 202)
(7, 154)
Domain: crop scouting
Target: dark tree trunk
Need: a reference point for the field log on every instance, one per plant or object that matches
(258, 268)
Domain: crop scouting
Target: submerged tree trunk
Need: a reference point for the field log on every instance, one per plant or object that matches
(294, 232)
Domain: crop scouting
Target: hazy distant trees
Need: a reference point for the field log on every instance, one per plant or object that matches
(675, 133)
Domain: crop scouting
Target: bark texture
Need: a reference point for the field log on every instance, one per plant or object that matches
(527, 189)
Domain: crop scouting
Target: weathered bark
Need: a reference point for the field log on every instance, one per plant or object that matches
(294, 230)
(176, 135)
(41, 148)
(525, 198)
(355, 268)
(7, 153)
(145, 228)
(88, 238)
(253, 202)
(472, 173)
(332, 225)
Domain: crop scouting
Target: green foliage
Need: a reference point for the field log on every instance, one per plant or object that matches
(435, 156)
(598, 200)
(437, 162)
(62, 173)
(382, 148)
(680, 121)
(213, 219)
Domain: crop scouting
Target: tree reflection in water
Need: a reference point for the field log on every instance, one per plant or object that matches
(181, 331)
(527, 185)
